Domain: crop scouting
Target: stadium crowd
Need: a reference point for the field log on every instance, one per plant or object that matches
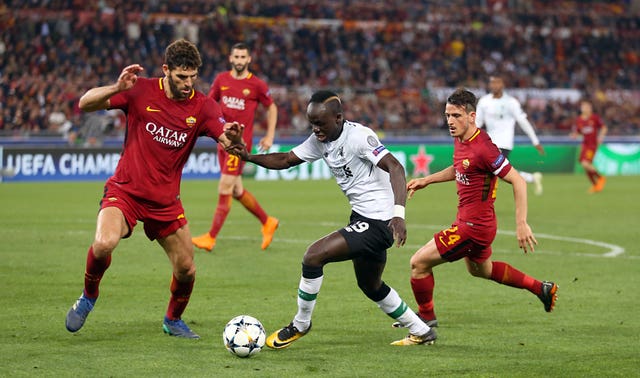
(387, 58)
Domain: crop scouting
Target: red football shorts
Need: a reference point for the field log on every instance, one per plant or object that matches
(587, 153)
(464, 240)
(158, 222)
(229, 164)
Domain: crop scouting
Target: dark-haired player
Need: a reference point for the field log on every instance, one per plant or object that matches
(374, 182)
(239, 92)
(165, 116)
(477, 163)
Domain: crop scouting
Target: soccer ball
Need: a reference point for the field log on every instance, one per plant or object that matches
(244, 336)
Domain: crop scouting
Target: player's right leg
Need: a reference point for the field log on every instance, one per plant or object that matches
(226, 185)
(331, 248)
(110, 228)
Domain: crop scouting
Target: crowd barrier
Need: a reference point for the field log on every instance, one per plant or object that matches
(33, 162)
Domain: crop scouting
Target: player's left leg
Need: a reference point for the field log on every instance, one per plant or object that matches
(504, 273)
(369, 276)
(178, 248)
(331, 248)
(207, 240)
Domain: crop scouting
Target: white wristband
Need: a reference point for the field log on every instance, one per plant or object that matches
(398, 211)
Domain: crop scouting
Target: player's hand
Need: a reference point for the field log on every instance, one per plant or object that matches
(526, 240)
(265, 143)
(399, 230)
(540, 149)
(239, 150)
(233, 132)
(128, 77)
(415, 184)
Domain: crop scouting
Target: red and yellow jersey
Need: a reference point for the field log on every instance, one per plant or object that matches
(478, 163)
(589, 128)
(159, 137)
(239, 99)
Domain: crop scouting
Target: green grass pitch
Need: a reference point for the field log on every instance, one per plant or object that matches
(588, 244)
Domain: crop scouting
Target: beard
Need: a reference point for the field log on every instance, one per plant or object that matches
(239, 68)
(175, 91)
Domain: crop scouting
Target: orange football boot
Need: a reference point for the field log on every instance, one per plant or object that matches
(268, 229)
(204, 241)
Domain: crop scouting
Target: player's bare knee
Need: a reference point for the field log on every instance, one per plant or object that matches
(185, 272)
(419, 266)
(313, 257)
(104, 246)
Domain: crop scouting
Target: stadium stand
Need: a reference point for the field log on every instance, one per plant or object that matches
(387, 58)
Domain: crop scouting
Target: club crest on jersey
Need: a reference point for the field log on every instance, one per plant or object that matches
(465, 163)
(190, 121)
(246, 92)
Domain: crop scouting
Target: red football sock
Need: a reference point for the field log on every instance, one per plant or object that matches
(423, 292)
(251, 203)
(93, 274)
(180, 293)
(222, 210)
(507, 275)
(593, 177)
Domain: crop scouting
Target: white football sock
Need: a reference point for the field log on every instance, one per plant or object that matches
(396, 308)
(307, 292)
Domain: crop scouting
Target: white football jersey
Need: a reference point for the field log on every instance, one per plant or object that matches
(499, 117)
(352, 159)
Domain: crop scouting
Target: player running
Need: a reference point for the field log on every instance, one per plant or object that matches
(477, 163)
(374, 182)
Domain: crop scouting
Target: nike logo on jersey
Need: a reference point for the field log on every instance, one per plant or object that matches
(150, 109)
(224, 88)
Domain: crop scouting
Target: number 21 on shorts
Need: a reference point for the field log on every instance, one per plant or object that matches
(232, 163)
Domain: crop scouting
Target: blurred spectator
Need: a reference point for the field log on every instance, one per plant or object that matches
(388, 57)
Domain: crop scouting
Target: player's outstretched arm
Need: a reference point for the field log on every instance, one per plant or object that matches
(525, 237)
(98, 98)
(275, 160)
(447, 174)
